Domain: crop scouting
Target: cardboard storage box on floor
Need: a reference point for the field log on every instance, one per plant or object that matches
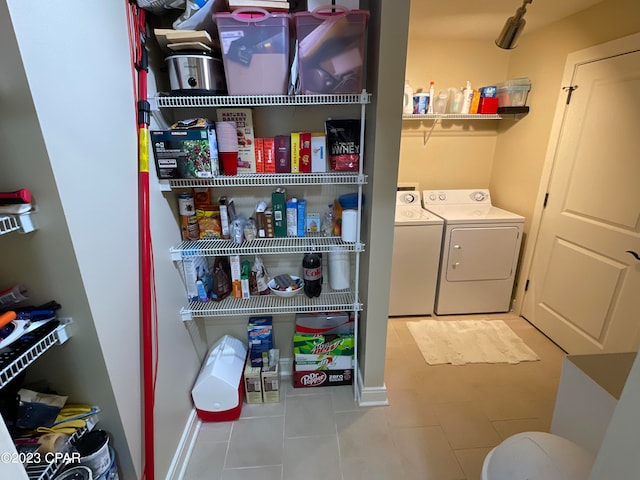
(331, 43)
(255, 52)
(252, 383)
(316, 355)
(270, 376)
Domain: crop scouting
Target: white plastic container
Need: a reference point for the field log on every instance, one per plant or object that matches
(339, 270)
(349, 225)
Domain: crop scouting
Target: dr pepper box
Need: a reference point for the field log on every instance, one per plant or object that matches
(189, 153)
(331, 42)
(255, 51)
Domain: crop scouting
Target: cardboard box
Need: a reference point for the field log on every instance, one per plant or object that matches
(268, 217)
(318, 152)
(306, 363)
(270, 376)
(259, 148)
(246, 138)
(322, 378)
(189, 153)
(305, 152)
(324, 323)
(261, 219)
(278, 205)
(292, 217)
(197, 277)
(236, 284)
(269, 153)
(252, 383)
(260, 334)
(302, 216)
(313, 222)
(282, 154)
(295, 152)
(323, 344)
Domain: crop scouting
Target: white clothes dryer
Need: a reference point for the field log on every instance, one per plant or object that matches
(480, 251)
(416, 254)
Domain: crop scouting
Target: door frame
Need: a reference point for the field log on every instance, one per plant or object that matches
(615, 47)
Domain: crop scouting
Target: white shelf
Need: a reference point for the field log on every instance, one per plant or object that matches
(178, 101)
(268, 180)
(9, 372)
(342, 301)
(23, 223)
(263, 246)
(451, 116)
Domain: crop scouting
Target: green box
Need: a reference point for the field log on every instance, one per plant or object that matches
(278, 205)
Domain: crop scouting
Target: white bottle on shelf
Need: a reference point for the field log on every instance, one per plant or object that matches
(467, 98)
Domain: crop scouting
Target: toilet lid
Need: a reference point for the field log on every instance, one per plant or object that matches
(537, 456)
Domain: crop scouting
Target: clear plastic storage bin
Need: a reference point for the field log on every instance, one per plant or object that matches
(331, 42)
(255, 51)
(513, 93)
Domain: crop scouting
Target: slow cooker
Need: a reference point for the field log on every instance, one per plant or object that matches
(196, 73)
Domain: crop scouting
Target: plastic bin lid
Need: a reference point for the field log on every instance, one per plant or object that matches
(537, 456)
(349, 200)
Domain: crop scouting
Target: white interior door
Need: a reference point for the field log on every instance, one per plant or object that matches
(584, 284)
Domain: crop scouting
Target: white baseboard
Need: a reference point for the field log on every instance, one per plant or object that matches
(371, 396)
(185, 447)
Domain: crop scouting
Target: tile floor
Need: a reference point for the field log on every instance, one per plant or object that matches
(440, 423)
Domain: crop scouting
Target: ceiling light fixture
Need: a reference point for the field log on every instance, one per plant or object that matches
(513, 28)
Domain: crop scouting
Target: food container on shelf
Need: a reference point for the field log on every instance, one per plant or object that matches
(276, 290)
(194, 72)
(513, 93)
(331, 43)
(255, 51)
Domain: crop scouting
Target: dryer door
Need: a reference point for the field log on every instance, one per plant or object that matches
(482, 253)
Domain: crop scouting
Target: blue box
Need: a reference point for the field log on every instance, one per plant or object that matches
(302, 217)
(260, 334)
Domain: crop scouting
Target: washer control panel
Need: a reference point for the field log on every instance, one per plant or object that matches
(408, 198)
(456, 197)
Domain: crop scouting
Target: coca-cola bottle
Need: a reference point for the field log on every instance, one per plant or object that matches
(312, 274)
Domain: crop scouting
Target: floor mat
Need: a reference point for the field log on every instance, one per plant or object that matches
(469, 341)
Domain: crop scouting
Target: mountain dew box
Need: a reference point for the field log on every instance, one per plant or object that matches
(323, 344)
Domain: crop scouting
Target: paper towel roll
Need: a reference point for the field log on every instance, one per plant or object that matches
(339, 270)
(349, 225)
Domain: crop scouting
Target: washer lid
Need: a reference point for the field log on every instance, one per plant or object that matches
(469, 213)
(415, 216)
(537, 456)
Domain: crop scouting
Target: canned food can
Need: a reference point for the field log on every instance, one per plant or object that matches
(186, 205)
(190, 228)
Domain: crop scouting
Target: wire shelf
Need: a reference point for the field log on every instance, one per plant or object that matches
(263, 246)
(271, 179)
(47, 471)
(9, 224)
(451, 116)
(172, 101)
(343, 301)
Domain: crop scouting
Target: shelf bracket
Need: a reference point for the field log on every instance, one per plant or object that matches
(427, 135)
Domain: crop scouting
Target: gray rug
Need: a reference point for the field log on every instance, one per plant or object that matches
(469, 341)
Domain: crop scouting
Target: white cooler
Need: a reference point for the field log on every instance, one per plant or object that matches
(218, 392)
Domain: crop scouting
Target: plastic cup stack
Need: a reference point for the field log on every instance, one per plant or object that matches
(227, 136)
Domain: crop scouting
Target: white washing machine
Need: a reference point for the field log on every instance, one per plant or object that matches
(480, 251)
(416, 254)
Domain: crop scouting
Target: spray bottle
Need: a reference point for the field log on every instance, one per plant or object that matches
(467, 98)
(431, 97)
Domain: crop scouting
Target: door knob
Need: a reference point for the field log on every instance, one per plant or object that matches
(635, 254)
(457, 247)
(455, 265)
